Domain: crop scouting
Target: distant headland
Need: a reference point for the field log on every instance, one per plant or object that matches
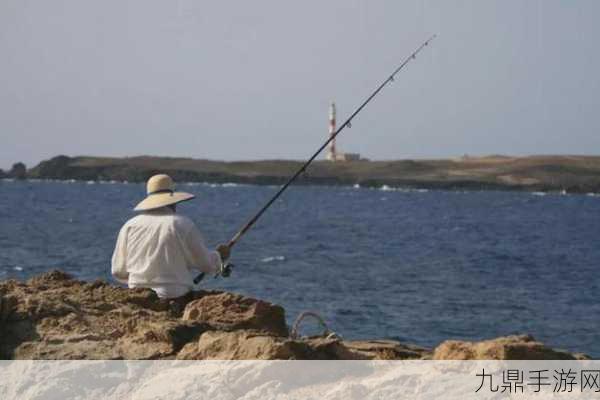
(572, 174)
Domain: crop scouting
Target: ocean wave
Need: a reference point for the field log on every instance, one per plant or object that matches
(225, 185)
(216, 185)
(386, 188)
(538, 193)
(272, 258)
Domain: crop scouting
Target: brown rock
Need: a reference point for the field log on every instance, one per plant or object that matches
(229, 311)
(53, 316)
(251, 345)
(386, 350)
(238, 345)
(518, 347)
(320, 348)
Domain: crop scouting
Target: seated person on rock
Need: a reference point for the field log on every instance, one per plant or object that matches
(160, 249)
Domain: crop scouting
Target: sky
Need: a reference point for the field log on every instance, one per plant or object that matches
(253, 80)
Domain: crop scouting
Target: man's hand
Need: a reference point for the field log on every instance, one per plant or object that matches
(224, 251)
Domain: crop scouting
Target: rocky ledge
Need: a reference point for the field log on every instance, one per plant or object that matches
(53, 316)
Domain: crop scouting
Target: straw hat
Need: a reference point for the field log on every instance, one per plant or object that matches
(161, 192)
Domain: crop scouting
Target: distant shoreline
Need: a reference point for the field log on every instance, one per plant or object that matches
(564, 174)
(384, 188)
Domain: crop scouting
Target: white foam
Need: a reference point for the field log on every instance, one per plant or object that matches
(225, 185)
(538, 193)
(386, 188)
(273, 258)
(356, 186)
(18, 268)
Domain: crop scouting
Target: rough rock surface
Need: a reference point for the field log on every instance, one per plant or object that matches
(53, 316)
(517, 347)
(387, 350)
(231, 311)
(249, 345)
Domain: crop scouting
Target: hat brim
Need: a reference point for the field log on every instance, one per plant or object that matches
(159, 200)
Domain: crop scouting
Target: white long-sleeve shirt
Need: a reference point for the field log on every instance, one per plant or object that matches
(160, 249)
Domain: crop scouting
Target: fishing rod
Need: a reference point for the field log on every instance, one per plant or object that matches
(347, 123)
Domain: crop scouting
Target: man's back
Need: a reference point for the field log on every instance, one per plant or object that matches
(159, 249)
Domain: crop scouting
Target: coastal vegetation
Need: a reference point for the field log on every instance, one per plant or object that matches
(534, 173)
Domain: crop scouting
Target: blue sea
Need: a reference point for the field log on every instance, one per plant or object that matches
(417, 266)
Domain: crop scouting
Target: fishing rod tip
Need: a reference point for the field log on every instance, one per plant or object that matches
(430, 39)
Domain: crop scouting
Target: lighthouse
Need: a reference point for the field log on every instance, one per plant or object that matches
(331, 152)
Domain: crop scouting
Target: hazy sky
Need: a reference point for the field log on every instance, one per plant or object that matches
(253, 79)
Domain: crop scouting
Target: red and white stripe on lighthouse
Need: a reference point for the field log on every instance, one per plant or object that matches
(331, 154)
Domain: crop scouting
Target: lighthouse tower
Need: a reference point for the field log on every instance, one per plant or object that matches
(331, 152)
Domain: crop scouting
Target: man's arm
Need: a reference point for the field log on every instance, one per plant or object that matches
(201, 258)
(119, 258)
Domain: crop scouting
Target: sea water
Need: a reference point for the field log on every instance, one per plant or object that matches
(417, 266)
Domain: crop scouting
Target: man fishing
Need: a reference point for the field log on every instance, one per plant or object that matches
(160, 249)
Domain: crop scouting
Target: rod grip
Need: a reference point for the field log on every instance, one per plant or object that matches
(199, 278)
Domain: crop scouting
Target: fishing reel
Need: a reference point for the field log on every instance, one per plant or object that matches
(224, 270)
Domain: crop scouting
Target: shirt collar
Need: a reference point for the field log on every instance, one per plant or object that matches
(160, 211)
